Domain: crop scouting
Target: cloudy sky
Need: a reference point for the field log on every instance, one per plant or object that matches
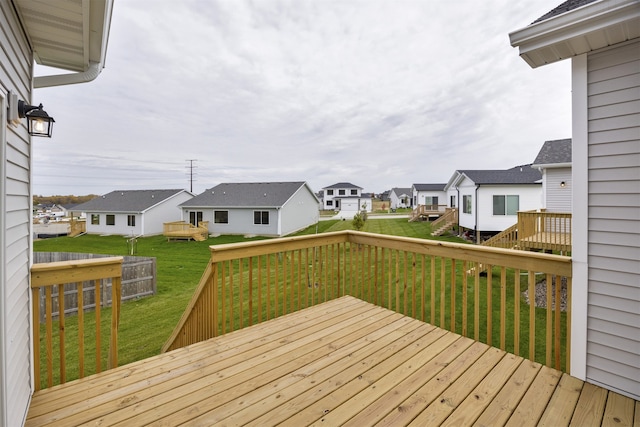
(379, 93)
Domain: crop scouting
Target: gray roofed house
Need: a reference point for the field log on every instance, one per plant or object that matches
(602, 41)
(133, 212)
(400, 197)
(432, 196)
(254, 208)
(344, 196)
(489, 200)
(554, 162)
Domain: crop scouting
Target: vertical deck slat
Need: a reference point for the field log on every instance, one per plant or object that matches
(80, 293)
(61, 335)
(532, 314)
(98, 294)
(35, 298)
(489, 305)
(49, 339)
(516, 312)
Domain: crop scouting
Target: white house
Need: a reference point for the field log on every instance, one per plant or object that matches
(133, 212)
(554, 162)
(400, 198)
(429, 195)
(345, 196)
(602, 40)
(254, 208)
(66, 35)
(491, 199)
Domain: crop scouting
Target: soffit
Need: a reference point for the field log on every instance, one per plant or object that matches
(66, 34)
(588, 28)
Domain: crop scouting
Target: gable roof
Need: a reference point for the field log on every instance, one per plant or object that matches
(128, 200)
(554, 153)
(401, 190)
(518, 175)
(429, 187)
(247, 194)
(343, 185)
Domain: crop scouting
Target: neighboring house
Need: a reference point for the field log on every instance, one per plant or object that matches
(347, 197)
(400, 198)
(428, 195)
(73, 37)
(490, 199)
(554, 162)
(254, 208)
(133, 212)
(602, 39)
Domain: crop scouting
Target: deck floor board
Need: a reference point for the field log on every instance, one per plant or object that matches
(344, 362)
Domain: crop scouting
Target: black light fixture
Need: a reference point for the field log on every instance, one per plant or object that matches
(39, 123)
(562, 184)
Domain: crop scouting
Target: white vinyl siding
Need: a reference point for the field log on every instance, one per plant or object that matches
(613, 325)
(15, 220)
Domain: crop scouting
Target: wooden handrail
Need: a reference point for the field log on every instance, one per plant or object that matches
(450, 215)
(437, 282)
(47, 277)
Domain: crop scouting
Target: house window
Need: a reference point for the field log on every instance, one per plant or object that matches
(466, 204)
(431, 201)
(329, 192)
(506, 205)
(131, 220)
(221, 217)
(329, 202)
(354, 192)
(342, 192)
(452, 201)
(111, 219)
(261, 217)
(95, 219)
(195, 217)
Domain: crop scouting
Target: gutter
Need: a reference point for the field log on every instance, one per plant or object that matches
(69, 79)
(94, 67)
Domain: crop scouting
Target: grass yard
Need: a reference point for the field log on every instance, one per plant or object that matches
(147, 323)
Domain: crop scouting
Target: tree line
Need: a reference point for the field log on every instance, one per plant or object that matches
(62, 200)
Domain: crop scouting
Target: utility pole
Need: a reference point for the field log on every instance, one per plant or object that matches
(191, 167)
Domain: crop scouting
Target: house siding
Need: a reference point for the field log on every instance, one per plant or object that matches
(299, 211)
(613, 324)
(557, 197)
(15, 222)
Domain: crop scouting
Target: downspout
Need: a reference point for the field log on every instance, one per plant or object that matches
(69, 79)
(476, 231)
(458, 207)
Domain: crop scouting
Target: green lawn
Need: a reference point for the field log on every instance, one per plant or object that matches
(147, 323)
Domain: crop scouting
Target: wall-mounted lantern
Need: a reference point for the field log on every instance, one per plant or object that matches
(39, 123)
(562, 184)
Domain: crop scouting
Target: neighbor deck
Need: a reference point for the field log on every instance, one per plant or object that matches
(343, 362)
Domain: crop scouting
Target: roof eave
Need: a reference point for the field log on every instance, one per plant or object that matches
(551, 165)
(587, 28)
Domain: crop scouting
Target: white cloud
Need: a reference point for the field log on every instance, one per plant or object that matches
(379, 93)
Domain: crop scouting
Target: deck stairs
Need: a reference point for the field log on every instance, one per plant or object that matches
(445, 223)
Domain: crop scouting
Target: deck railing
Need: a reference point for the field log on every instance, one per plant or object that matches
(542, 230)
(50, 279)
(450, 216)
(437, 282)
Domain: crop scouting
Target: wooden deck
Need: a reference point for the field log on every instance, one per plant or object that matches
(344, 362)
(547, 241)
